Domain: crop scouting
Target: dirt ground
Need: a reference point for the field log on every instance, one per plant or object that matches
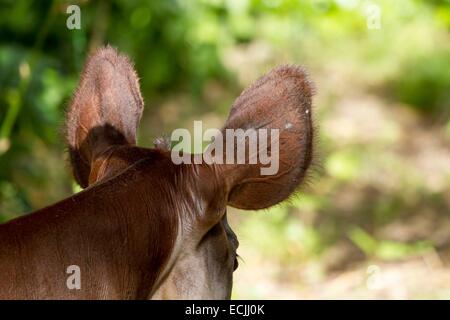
(409, 164)
(424, 277)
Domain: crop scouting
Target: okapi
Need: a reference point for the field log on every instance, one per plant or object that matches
(144, 227)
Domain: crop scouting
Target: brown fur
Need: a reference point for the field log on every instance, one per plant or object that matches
(105, 110)
(125, 230)
(114, 233)
(281, 97)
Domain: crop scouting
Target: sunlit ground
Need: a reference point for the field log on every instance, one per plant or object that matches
(373, 219)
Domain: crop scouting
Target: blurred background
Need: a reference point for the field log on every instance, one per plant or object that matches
(374, 219)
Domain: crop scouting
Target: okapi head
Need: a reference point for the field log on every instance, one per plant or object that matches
(198, 248)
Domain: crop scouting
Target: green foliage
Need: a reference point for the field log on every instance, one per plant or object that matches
(378, 167)
(279, 228)
(425, 84)
(387, 250)
(344, 165)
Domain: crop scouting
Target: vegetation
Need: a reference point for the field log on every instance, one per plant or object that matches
(380, 191)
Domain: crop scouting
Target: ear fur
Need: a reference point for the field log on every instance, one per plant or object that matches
(279, 100)
(104, 112)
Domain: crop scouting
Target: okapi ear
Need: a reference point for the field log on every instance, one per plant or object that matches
(104, 112)
(280, 104)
